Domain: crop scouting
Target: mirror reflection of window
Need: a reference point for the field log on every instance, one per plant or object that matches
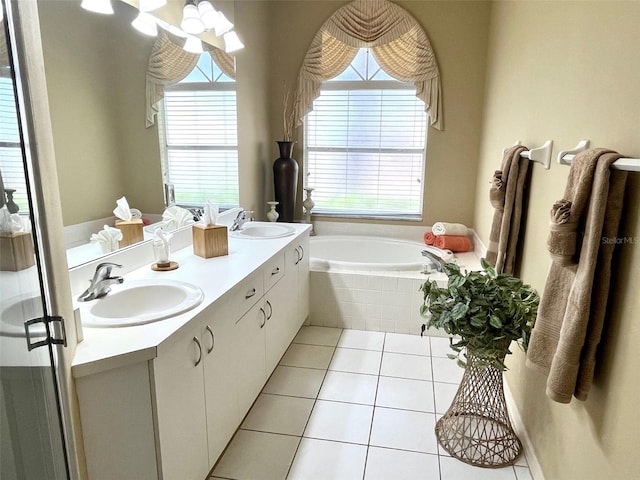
(198, 137)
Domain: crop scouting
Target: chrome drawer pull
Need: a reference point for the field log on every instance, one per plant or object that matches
(250, 293)
(275, 271)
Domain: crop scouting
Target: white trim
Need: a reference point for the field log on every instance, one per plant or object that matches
(521, 431)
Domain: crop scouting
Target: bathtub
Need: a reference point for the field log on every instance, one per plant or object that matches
(367, 283)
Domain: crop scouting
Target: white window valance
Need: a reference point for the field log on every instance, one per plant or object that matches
(169, 63)
(398, 43)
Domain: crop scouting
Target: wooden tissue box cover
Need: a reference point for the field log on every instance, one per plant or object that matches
(131, 231)
(210, 240)
(16, 251)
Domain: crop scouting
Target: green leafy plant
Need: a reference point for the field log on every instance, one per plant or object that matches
(484, 310)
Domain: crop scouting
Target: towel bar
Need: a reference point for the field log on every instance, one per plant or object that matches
(630, 164)
(541, 155)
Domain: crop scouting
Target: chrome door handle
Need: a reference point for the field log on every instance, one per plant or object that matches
(301, 252)
(270, 310)
(195, 339)
(264, 317)
(298, 257)
(213, 340)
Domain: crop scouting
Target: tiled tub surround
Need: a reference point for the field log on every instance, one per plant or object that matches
(349, 404)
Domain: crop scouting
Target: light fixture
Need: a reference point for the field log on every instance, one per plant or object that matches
(98, 6)
(208, 14)
(149, 5)
(191, 21)
(222, 24)
(146, 24)
(232, 42)
(192, 44)
(171, 28)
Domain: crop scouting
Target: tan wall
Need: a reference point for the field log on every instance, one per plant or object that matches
(567, 71)
(458, 32)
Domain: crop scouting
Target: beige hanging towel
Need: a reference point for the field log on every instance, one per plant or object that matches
(573, 306)
(506, 196)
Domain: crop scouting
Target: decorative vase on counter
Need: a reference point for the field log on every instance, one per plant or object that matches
(285, 182)
(272, 214)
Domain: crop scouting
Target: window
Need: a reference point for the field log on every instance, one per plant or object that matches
(11, 165)
(198, 137)
(365, 144)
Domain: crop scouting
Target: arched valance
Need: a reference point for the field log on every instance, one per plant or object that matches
(169, 64)
(398, 43)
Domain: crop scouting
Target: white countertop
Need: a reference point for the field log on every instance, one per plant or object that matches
(107, 348)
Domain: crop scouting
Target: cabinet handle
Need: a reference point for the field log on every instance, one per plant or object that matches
(270, 310)
(275, 271)
(298, 257)
(250, 293)
(301, 252)
(195, 339)
(213, 340)
(264, 317)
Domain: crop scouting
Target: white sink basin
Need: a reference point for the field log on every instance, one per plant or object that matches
(262, 230)
(17, 311)
(137, 302)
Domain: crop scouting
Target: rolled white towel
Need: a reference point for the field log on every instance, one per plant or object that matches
(444, 228)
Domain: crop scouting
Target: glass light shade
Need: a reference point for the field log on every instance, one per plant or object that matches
(222, 24)
(146, 24)
(192, 44)
(149, 5)
(98, 6)
(232, 42)
(208, 14)
(191, 22)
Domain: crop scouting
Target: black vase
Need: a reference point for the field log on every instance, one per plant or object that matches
(285, 182)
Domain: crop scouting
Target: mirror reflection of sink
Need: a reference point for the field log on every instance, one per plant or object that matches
(17, 311)
(263, 230)
(137, 302)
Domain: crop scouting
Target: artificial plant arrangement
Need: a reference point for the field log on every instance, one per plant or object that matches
(288, 114)
(483, 311)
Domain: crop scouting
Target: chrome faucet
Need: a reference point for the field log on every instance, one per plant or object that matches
(437, 262)
(101, 282)
(243, 217)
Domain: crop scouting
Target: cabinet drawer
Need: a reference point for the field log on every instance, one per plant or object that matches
(246, 294)
(273, 270)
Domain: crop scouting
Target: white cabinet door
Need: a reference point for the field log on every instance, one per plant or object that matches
(249, 357)
(280, 306)
(181, 433)
(303, 279)
(223, 414)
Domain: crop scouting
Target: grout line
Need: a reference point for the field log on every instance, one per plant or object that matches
(373, 413)
(435, 407)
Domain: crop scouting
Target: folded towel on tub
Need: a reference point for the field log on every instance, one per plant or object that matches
(444, 228)
(455, 243)
(429, 238)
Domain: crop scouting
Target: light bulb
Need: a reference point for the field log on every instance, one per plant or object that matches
(222, 24)
(98, 6)
(149, 5)
(146, 24)
(191, 22)
(192, 44)
(232, 42)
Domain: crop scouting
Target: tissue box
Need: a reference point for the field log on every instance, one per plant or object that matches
(16, 251)
(131, 231)
(210, 240)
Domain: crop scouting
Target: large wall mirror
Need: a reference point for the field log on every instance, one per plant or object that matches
(96, 67)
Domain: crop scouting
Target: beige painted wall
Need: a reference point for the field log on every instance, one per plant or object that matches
(458, 32)
(567, 71)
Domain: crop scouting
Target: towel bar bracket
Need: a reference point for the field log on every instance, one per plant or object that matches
(580, 147)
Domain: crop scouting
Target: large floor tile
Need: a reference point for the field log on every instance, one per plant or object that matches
(325, 460)
(356, 361)
(279, 414)
(406, 366)
(308, 356)
(349, 387)
(404, 430)
(362, 339)
(295, 381)
(440, 347)
(446, 370)
(453, 469)
(312, 335)
(405, 393)
(411, 344)
(386, 464)
(343, 422)
(444, 393)
(257, 456)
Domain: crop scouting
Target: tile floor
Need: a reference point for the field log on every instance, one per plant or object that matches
(350, 404)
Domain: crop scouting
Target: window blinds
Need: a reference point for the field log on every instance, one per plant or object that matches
(365, 150)
(200, 130)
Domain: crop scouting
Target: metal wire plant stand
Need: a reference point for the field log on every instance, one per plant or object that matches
(476, 427)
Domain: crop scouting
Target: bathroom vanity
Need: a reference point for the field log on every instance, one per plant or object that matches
(163, 399)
